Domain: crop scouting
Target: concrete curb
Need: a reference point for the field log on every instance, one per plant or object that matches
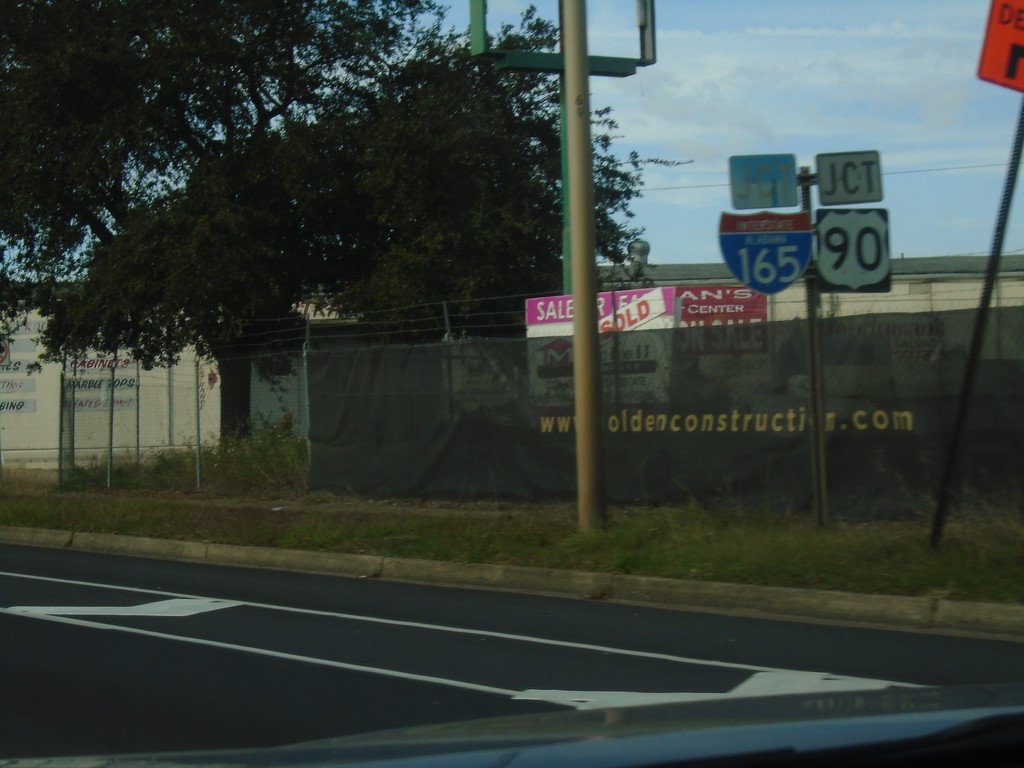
(294, 560)
(907, 612)
(139, 546)
(915, 613)
(508, 577)
(974, 617)
(36, 537)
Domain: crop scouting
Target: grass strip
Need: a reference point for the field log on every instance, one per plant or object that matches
(981, 556)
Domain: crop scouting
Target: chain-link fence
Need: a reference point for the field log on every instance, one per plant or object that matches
(96, 413)
(112, 412)
(710, 406)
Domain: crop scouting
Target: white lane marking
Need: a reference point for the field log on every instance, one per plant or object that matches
(420, 625)
(758, 684)
(177, 606)
(273, 654)
(453, 630)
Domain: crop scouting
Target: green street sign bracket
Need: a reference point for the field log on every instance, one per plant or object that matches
(554, 63)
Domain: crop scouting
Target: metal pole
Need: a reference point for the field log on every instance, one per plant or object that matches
(67, 424)
(978, 337)
(586, 349)
(1, 448)
(110, 421)
(60, 427)
(563, 143)
(447, 322)
(199, 431)
(305, 394)
(138, 413)
(616, 338)
(819, 479)
(7, 342)
(170, 406)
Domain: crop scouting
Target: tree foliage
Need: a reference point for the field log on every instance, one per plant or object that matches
(169, 180)
(179, 172)
(463, 168)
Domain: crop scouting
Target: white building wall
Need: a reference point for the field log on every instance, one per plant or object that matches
(149, 411)
(908, 294)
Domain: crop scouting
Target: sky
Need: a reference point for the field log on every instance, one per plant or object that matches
(806, 77)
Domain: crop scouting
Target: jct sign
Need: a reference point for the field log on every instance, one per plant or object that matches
(849, 177)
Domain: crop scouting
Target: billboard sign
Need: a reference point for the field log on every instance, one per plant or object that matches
(629, 310)
(706, 305)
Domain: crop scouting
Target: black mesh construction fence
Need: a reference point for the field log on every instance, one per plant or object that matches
(713, 413)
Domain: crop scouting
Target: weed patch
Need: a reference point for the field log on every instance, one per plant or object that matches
(253, 493)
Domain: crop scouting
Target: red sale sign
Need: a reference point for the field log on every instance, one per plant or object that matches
(708, 305)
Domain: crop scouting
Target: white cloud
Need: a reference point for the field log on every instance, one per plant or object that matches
(804, 77)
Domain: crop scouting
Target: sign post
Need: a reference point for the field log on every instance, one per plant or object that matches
(768, 252)
(815, 374)
(5, 353)
(1001, 64)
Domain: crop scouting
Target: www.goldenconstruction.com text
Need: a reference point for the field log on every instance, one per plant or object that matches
(790, 420)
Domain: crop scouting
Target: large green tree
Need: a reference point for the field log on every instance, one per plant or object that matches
(184, 173)
(462, 169)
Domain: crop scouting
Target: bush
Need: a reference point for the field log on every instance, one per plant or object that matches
(273, 459)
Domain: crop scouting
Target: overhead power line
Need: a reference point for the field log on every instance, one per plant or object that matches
(884, 173)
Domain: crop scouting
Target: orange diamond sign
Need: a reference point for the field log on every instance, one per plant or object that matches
(1002, 55)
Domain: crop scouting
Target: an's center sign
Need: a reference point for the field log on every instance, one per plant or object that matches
(766, 251)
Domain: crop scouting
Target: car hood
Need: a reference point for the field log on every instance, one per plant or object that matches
(642, 735)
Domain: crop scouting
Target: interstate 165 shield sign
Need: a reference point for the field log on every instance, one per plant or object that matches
(766, 251)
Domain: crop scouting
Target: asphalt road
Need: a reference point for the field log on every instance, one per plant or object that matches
(104, 654)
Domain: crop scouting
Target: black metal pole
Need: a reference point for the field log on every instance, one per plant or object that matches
(815, 374)
(978, 337)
